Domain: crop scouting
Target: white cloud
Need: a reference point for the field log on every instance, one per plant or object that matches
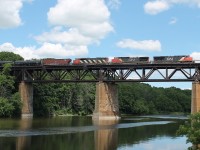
(9, 13)
(155, 7)
(60, 51)
(57, 35)
(25, 52)
(90, 17)
(173, 21)
(47, 50)
(147, 45)
(76, 25)
(196, 56)
(158, 6)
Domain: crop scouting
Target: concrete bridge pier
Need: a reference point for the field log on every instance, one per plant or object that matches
(106, 102)
(26, 93)
(195, 105)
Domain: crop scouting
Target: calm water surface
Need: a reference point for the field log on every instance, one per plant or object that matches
(81, 133)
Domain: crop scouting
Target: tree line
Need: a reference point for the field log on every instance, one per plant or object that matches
(134, 98)
(79, 98)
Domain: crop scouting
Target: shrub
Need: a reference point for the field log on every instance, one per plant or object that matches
(192, 130)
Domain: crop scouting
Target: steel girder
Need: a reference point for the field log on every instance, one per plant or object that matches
(109, 73)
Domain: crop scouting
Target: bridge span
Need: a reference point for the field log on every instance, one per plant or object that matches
(106, 76)
(174, 72)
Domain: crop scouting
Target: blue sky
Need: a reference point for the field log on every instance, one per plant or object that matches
(100, 28)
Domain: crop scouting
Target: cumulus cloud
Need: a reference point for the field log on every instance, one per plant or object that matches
(47, 50)
(60, 51)
(75, 25)
(58, 35)
(90, 17)
(155, 7)
(147, 45)
(25, 52)
(9, 13)
(196, 56)
(158, 6)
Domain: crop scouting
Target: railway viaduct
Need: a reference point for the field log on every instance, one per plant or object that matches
(106, 76)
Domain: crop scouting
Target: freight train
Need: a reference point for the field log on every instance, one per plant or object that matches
(103, 60)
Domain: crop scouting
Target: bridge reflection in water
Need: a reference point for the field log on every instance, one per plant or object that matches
(24, 142)
(106, 138)
(77, 133)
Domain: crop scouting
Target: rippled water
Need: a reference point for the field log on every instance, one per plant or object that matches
(79, 133)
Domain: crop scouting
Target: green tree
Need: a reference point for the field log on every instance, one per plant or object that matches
(6, 81)
(88, 96)
(141, 107)
(127, 98)
(192, 130)
(10, 104)
(136, 98)
(6, 108)
(10, 56)
(45, 102)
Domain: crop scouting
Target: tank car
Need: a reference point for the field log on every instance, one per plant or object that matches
(172, 59)
(132, 60)
(98, 60)
(5, 62)
(27, 62)
(57, 62)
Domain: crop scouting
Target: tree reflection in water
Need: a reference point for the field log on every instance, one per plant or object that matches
(83, 133)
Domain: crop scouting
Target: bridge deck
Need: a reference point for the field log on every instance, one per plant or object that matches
(163, 72)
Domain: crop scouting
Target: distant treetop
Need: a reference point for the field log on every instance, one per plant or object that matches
(10, 56)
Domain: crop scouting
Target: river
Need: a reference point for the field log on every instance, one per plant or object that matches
(82, 133)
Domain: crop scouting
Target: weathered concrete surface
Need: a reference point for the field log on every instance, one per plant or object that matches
(26, 93)
(195, 105)
(106, 101)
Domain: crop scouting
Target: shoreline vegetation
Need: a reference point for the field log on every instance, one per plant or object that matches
(191, 129)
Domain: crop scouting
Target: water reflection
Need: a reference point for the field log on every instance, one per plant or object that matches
(77, 133)
(165, 143)
(105, 139)
(24, 142)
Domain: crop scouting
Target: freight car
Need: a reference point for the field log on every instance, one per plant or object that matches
(98, 60)
(57, 62)
(45, 62)
(172, 59)
(22, 62)
(132, 60)
(6, 62)
(27, 62)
